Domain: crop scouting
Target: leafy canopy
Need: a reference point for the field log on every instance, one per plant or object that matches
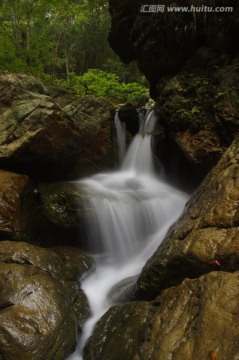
(58, 40)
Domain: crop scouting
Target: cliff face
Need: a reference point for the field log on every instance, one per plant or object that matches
(162, 42)
(191, 61)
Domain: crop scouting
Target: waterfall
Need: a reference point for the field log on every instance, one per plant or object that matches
(120, 136)
(139, 156)
(132, 213)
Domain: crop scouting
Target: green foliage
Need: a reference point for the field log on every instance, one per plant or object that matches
(61, 40)
(195, 110)
(104, 84)
(188, 114)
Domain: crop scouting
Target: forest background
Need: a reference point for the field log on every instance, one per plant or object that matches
(65, 42)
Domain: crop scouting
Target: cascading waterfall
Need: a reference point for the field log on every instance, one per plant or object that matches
(133, 211)
(139, 156)
(120, 136)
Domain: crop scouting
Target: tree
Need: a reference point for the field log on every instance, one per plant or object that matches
(56, 39)
(104, 84)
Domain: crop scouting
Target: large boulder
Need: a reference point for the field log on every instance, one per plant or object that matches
(18, 207)
(206, 236)
(42, 305)
(37, 137)
(195, 320)
(93, 117)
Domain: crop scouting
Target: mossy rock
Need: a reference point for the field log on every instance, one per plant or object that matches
(63, 204)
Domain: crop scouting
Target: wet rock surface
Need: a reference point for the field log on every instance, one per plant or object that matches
(193, 320)
(205, 237)
(124, 326)
(18, 207)
(41, 303)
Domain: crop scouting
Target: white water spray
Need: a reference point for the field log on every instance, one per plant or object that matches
(133, 211)
(139, 156)
(120, 136)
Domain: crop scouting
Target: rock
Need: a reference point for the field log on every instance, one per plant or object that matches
(122, 291)
(194, 319)
(42, 305)
(199, 111)
(121, 325)
(63, 204)
(22, 81)
(18, 207)
(162, 43)
(206, 236)
(49, 142)
(130, 116)
(93, 117)
(65, 213)
(60, 95)
(37, 137)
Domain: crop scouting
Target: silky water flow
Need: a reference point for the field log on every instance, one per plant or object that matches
(133, 209)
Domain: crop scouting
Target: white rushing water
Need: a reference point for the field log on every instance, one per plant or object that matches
(120, 136)
(133, 211)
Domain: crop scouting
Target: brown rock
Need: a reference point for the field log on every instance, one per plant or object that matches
(121, 325)
(34, 315)
(18, 207)
(206, 236)
(41, 303)
(195, 320)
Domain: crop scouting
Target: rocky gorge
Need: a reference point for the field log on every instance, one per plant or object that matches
(184, 304)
